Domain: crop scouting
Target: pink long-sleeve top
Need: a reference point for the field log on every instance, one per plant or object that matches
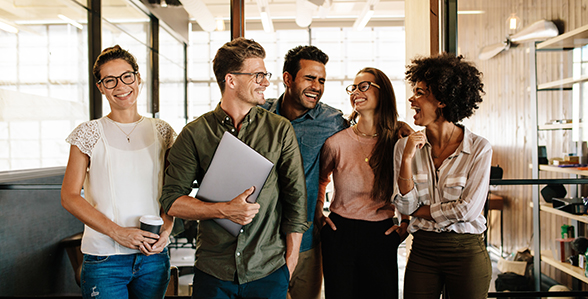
(343, 155)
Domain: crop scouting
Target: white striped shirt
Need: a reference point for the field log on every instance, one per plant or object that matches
(456, 191)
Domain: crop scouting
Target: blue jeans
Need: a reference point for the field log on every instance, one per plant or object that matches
(125, 276)
(273, 286)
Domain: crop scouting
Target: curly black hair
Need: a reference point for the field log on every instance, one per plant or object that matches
(452, 80)
(293, 57)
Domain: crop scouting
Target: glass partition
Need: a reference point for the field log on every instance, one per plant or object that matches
(203, 91)
(127, 26)
(43, 83)
(172, 93)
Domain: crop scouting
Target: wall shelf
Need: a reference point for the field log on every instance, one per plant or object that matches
(567, 170)
(547, 207)
(561, 84)
(574, 38)
(566, 87)
(574, 271)
(549, 127)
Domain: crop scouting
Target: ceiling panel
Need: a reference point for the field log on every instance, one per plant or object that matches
(23, 12)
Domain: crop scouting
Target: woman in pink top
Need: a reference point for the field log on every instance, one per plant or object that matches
(360, 239)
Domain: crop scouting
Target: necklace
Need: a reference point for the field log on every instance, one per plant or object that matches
(446, 144)
(367, 158)
(131, 132)
(363, 134)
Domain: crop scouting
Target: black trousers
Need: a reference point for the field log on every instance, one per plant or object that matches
(359, 260)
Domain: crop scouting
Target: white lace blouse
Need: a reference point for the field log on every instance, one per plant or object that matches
(125, 175)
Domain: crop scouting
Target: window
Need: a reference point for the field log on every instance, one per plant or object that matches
(43, 88)
(348, 50)
(172, 93)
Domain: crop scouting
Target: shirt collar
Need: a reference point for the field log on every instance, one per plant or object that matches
(224, 118)
(312, 113)
(466, 144)
(467, 140)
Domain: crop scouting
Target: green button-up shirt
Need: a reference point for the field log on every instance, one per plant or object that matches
(260, 247)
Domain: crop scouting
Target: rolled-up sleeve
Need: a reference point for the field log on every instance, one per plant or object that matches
(292, 185)
(407, 203)
(182, 170)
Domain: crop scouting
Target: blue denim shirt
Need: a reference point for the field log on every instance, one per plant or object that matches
(312, 130)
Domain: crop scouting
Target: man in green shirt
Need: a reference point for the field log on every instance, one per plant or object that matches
(259, 261)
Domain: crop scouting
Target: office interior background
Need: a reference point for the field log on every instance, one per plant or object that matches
(45, 90)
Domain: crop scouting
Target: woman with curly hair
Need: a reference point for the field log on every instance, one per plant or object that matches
(442, 174)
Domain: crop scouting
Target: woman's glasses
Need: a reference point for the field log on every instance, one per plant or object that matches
(110, 82)
(362, 86)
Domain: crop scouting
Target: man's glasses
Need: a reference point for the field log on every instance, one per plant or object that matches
(258, 76)
(363, 86)
(110, 82)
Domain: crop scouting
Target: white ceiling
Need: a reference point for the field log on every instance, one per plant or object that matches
(22, 12)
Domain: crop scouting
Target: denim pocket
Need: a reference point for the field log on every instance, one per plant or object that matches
(95, 259)
(286, 272)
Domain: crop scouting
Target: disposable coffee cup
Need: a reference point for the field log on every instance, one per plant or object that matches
(151, 223)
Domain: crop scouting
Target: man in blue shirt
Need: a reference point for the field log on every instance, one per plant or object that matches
(304, 75)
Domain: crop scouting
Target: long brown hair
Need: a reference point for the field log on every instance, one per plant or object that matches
(386, 118)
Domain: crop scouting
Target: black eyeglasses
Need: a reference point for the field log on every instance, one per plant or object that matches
(258, 76)
(110, 82)
(363, 86)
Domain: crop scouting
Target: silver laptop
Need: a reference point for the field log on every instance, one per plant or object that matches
(235, 167)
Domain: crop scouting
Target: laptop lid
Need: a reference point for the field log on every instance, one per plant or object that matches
(234, 168)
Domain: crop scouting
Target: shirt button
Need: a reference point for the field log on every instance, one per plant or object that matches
(232, 130)
(238, 253)
(241, 231)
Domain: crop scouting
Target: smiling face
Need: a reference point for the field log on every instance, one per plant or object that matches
(365, 101)
(425, 105)
(307, 88)
(122, 96)
(247, 89)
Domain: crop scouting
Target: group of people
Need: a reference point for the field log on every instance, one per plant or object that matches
(435, 182)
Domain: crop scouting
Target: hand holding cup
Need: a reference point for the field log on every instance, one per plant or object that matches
(151, 223)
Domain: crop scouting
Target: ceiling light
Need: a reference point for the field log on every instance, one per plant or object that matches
(266, 21)
(304, 12)
(198, 10)
(470, 12)
(264, 14)
(363, 18)
(8, 28)
(220, 24)
(71, 22)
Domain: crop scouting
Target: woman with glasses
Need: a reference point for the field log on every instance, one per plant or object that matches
(119, 161)
(359, 238)
(442, 174)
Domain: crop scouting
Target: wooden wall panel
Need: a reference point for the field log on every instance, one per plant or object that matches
(505, 117)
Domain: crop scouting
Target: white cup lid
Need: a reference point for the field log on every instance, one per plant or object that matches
(151, 220)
